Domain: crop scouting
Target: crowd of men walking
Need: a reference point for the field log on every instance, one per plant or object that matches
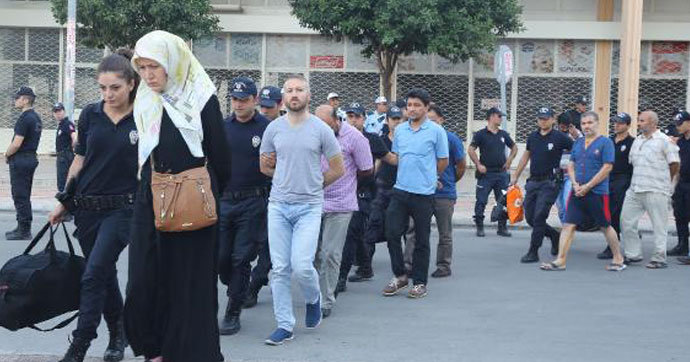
(310, 195)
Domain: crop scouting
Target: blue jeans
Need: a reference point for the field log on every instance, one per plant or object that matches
(562, 200)
(293, 236)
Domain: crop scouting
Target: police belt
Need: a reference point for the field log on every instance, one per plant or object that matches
(544, 177)
(25, 153)
(66, 151)
(103, 202)
(245, 194)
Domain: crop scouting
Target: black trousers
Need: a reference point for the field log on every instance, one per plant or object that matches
(22, 168)
(102, 237)
(490, 181)
(62, 163)
(681, 210)
(263, 265)
(618, 185)
(404, 205)
(242, 227)
(355, 250)
(540, 197)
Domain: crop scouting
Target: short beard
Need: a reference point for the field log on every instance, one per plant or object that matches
(300, 107)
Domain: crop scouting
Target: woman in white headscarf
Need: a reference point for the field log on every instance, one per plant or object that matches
(171, 306)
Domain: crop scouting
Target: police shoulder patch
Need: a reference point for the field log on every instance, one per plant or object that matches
(256, 141)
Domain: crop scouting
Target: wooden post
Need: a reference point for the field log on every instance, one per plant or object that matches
(602, 70)
(629, 77)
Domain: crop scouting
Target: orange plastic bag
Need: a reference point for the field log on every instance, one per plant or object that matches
(516, 212)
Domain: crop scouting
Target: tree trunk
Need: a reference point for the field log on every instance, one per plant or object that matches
(386, 60)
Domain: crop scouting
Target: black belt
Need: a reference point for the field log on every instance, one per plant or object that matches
(245, 194)
(25, 153)
(104, 202)
(538, 178)
(65, 151)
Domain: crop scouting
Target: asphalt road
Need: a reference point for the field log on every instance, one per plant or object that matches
(491, 309)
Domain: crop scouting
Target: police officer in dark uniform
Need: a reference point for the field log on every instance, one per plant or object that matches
(681, 195)
(492, 166)
(621, 174)
(21, 157)
(545, 147)
(355, 250)
(671, 130)
(64, 141)
(270, 102)
(102, 184)
(579, 107)
(243, 206)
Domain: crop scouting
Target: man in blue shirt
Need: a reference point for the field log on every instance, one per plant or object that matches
(421, 147)
(444, 200)
(591, 162)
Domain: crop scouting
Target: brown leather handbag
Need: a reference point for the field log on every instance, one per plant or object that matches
(183, 201)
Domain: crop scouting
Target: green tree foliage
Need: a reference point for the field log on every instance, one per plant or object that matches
(454, 29)
(120, 23)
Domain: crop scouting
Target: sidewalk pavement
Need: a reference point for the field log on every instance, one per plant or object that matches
(44, 189)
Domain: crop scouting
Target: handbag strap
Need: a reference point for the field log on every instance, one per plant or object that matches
(70, 246)
(60, 325)
(37, 238)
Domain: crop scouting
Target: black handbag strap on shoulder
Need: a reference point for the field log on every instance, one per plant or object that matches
(51, 246)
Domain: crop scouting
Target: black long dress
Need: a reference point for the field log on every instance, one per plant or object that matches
(172, 301)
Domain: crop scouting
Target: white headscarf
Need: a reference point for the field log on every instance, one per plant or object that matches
(185, 95)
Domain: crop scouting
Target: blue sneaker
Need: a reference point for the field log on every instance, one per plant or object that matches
(312, 318)
(279, 336)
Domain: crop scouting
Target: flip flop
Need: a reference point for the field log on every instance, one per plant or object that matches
(551, 267)
(615, 267)
(656, 265)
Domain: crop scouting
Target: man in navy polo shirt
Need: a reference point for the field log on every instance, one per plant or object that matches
(591, 162)
(545, 147)
(681, 195)
(492, 166)
(421, 147)
(270, 102)
(21, 157)
(243, 210)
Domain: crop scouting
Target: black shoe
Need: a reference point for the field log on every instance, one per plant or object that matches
(76, 351)
(678, 250)
(325, 313)
(252, 297)
(22, 232)
(503, 230)
(628, 261)
(441, 273)
(480, 230)
(229, 325)
(684, 260)
(341, 287)
(117, 344)
(531, 257)
(361, 276)
(606, 254)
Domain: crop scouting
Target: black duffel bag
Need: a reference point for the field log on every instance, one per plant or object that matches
(38, 287)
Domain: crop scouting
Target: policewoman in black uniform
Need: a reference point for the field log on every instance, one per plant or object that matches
(492, 166)
(621, 174)
(65, 138)
(681, 195)
(244, 204)
(172, 294)
(21, 157)
(545, 148)
(101, 183)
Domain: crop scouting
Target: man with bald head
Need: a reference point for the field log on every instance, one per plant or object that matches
(655, 162)
(340, 201)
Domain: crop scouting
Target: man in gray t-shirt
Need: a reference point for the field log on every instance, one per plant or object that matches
(291, 152)
(298, 177)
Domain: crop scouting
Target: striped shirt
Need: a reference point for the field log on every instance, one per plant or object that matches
(341, 195)
(650, 157)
